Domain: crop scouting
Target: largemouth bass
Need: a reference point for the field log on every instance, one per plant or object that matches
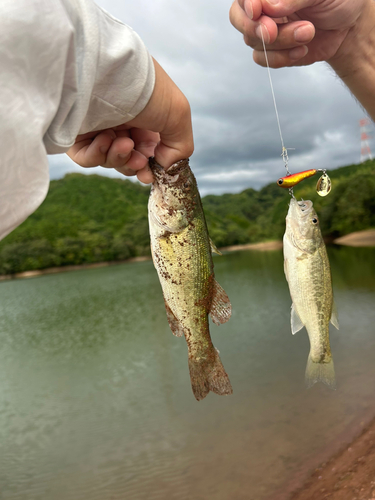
(308, 274)
(181, 252)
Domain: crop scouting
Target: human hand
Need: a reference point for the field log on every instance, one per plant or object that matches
(163, 129)
(296, 32)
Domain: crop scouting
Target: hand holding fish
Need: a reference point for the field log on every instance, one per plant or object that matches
(163, 129)
(302, 32)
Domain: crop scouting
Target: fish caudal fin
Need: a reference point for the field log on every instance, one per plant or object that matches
(208, 374)
(320, 372)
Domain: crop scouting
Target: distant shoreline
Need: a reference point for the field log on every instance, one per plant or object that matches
(63, 269)
(358, 239)
(262, 246)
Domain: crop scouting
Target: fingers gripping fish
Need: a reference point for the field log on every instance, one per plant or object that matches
(308, 274)
(181, 251)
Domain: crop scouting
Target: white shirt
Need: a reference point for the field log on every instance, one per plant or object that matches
(66, 68)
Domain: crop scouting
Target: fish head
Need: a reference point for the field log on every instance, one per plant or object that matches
(174, 194)
(174, 186)
(303, 225)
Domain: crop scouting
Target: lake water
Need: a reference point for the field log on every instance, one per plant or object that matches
(95, 397)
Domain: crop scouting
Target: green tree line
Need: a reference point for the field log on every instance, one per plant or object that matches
(87, 219)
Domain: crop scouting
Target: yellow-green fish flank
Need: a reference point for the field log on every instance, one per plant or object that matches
(181, 251)
(308, 274)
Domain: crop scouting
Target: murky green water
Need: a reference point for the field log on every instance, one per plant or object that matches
(95, 398)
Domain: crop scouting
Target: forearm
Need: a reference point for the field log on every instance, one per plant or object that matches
(355, 61)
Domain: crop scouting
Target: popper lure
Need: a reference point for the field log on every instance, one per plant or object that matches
(323, 186)
(291, 180)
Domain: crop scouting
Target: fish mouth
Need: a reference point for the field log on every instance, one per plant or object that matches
(178, 167)
(171, 172)
(302, 208)
(156, 169)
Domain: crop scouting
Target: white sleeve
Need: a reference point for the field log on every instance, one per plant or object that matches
(66, 67)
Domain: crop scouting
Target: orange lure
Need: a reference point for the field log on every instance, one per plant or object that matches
(291, 180)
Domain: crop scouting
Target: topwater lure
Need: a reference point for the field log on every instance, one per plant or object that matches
(291, 180)
(323, 186)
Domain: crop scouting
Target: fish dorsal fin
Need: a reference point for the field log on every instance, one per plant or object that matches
(295, 321)
(214, 248)
(334, 317)
(221, 308)
(174, 324)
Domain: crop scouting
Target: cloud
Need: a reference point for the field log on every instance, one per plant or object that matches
(236, 133)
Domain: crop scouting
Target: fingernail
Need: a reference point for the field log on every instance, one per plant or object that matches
(298, 52)
(302, 34)
(124, 157)
(273, 2)
(112, 133)
(261, 28)
(248, 6)
(104, 149)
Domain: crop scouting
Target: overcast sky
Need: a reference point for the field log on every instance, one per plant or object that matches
(237, 143)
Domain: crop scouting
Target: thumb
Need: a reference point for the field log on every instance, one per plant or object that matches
(168, 113)
(176, 138)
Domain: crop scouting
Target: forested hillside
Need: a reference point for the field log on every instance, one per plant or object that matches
(88, 218)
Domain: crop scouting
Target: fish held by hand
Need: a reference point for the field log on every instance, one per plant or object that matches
(182, 255)
(308, 274)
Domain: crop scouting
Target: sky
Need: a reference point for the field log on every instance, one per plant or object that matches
(237, 141)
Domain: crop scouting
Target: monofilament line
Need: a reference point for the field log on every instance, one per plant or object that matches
(284, 153)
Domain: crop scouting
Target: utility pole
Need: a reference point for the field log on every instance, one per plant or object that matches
(365, 148)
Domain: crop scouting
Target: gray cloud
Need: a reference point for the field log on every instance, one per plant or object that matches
(236, 134)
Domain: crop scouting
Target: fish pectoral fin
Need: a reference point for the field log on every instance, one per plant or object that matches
(295, 321)
(334, 318)
(174, 324)
(221, 308)
(214, 248)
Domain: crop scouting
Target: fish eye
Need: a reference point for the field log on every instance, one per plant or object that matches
(280, 181)
(315, 220)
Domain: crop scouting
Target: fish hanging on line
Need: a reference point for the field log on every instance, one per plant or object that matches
(181, 252)
(308, 275)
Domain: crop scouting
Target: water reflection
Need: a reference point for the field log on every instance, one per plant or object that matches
(95, 398)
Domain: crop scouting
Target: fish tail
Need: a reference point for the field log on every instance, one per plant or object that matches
(208, 374)
(321, 371)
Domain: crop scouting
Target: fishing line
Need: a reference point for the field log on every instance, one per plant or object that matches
(284, 152)
(323, 186)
